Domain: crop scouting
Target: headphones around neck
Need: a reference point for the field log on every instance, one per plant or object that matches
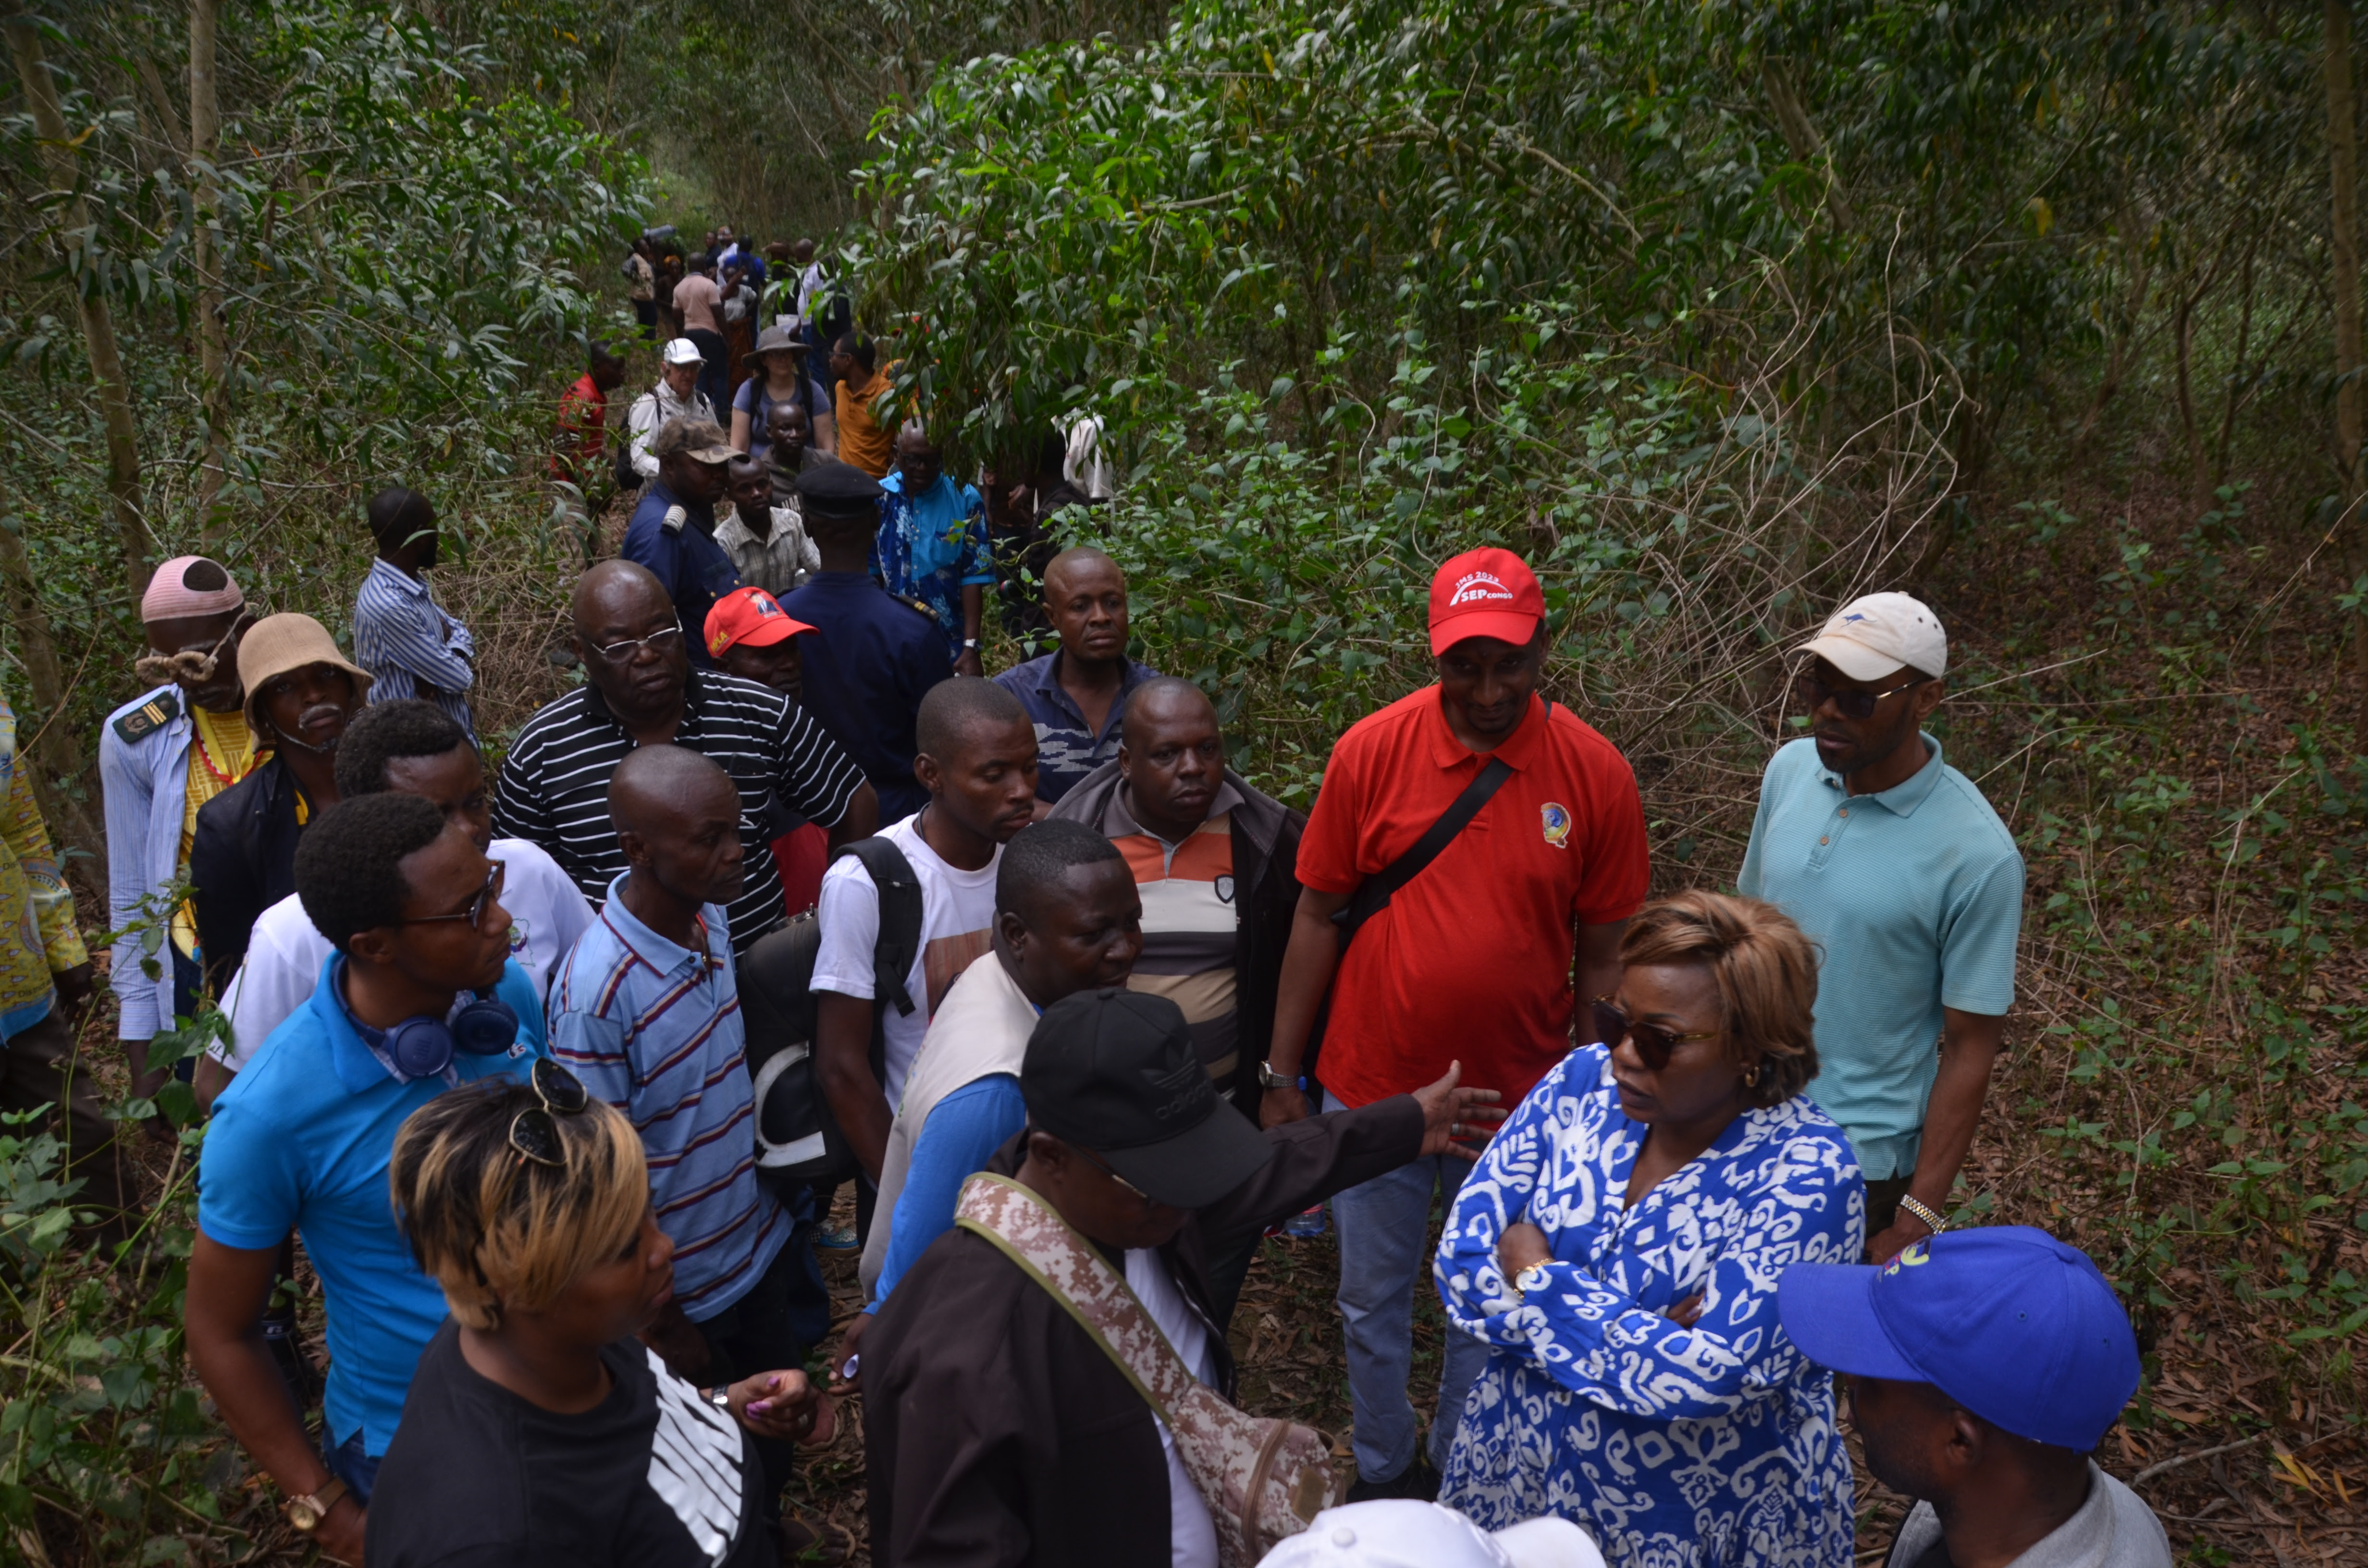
(424, 1047)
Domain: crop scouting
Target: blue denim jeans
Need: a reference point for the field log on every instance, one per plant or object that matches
(349, 1464)
(1384, 1258)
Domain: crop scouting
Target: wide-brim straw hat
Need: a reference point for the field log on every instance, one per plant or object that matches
(278, 644)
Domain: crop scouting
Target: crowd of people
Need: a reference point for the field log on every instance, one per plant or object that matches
(556, 1071)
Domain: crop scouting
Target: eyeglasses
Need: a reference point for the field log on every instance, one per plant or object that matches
(658, 643)
(1104, 1167)
(476, 913)
(1849, 702)
(532, 1133)
(1652, 1042)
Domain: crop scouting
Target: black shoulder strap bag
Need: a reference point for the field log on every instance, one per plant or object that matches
(1374, 894)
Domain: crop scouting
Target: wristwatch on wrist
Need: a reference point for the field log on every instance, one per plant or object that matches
(720, 1397)
(306, 1513)
(1933, 1219)
(1534, 1277)
(1270, 1079)
(970, 643)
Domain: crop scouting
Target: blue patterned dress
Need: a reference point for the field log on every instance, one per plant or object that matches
(1712, 1447)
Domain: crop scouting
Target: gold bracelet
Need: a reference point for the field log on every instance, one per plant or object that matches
(1933, 1222)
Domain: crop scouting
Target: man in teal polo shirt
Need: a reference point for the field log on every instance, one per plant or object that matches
(303, 1137)
(1898, 869)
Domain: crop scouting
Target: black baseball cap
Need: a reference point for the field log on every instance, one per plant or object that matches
(1113, 1071)
(838, 490)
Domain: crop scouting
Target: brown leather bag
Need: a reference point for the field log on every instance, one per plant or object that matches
(1262, 1478)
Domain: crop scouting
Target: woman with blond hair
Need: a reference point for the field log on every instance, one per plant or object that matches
(537, 1432)
(1618, 1247)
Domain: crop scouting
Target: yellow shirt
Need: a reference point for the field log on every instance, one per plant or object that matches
(37, 913)
(862, 439)
(221, 752)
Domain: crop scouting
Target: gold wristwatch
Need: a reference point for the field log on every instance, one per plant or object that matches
(306, 1513)
(1933, 1219)
(1534, 1277)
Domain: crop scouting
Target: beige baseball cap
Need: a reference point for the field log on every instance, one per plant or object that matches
(1879, 634)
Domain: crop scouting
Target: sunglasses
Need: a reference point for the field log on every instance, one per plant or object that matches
(474, 913)
(1104, 1167)
(1849, 702)
(533, 1133)
(1652, 1042)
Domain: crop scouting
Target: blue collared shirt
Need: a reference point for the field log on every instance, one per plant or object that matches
(411, 646)
(1914, 898)
(1067, 749)
(655, 1030)
(683, 554)
(868, 661)
(303, 1139)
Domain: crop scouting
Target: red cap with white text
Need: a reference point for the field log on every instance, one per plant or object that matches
(1485, 592)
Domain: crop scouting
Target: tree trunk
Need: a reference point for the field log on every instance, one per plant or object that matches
(2343, 179)
(1800, 136)
(61, 781)
(213, 345)
(97, 322)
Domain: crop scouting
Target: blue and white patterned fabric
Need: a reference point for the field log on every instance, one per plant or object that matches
(1677, 1447)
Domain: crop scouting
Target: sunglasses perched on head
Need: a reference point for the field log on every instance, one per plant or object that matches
(1849, 702)
(533, 1133)
(1652, 1042)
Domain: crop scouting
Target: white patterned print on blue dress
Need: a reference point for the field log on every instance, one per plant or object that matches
(1712, 1447)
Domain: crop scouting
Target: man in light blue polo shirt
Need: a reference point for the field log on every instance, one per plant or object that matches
(303, 1137)
(646, 1011)
(1898, 869)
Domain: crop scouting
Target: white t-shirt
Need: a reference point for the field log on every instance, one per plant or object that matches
(285, 953)
(1191, 1534)
(957, 923)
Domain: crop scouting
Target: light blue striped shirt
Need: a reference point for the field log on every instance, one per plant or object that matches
(413, 648)
(655, 1030)
(1914, 898)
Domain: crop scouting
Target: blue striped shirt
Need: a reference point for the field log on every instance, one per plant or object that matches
(410, 646)
(655, 1030)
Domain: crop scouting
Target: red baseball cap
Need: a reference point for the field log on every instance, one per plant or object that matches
(749, 615)
(1485, 592)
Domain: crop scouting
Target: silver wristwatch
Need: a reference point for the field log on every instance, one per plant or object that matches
(1270, 1079)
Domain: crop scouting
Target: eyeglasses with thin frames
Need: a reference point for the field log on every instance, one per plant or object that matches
(533, 1133)
(476, 911)
(660, 643)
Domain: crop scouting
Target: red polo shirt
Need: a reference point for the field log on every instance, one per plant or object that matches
(1471, 960)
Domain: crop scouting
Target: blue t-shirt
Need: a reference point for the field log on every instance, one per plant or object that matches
(693, 568)
(963, 1131)
(868, 661)
(1914, 898)
(302, 1140)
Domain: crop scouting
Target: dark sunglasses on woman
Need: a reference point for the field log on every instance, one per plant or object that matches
(1652, 1042)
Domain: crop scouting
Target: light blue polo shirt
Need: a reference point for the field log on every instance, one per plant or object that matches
(1914, 898)
(301, 1139)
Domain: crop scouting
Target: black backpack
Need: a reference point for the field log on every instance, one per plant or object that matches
(798, 1140)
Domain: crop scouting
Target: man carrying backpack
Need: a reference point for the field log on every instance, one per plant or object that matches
(977, 759)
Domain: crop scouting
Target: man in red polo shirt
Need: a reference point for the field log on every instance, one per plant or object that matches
(1471, 960)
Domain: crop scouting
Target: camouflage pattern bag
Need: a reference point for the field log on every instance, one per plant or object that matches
(1263, 1479)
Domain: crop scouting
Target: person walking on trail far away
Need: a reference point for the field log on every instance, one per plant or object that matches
(977, 760)
(1902, 874)
(1216, 860)
(1473, 956)
(640, 689)
(673, 527)
(408, 748)
(676, 396)
(401, 636)
(301, 693)
(303, 1138)
(582, 433)
(1986, 1369)
(871, 658)
(699, 298)
(646, 1013)
(864, 437)
(933, 544)
(160, 756)
(1077, 694)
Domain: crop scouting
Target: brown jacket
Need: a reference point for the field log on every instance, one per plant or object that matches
(996, 1433)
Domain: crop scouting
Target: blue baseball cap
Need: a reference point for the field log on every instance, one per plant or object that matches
(2008, 1321)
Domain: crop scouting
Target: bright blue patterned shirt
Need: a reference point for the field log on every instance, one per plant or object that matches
(930, 547)
(1676, 1447)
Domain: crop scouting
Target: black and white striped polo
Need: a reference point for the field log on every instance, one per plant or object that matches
(554, 783)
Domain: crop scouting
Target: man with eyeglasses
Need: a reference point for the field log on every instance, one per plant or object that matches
(640, 689)
(302, 1139)
(1898, 869)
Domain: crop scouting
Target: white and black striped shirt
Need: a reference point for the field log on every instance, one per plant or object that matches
(554, 784)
